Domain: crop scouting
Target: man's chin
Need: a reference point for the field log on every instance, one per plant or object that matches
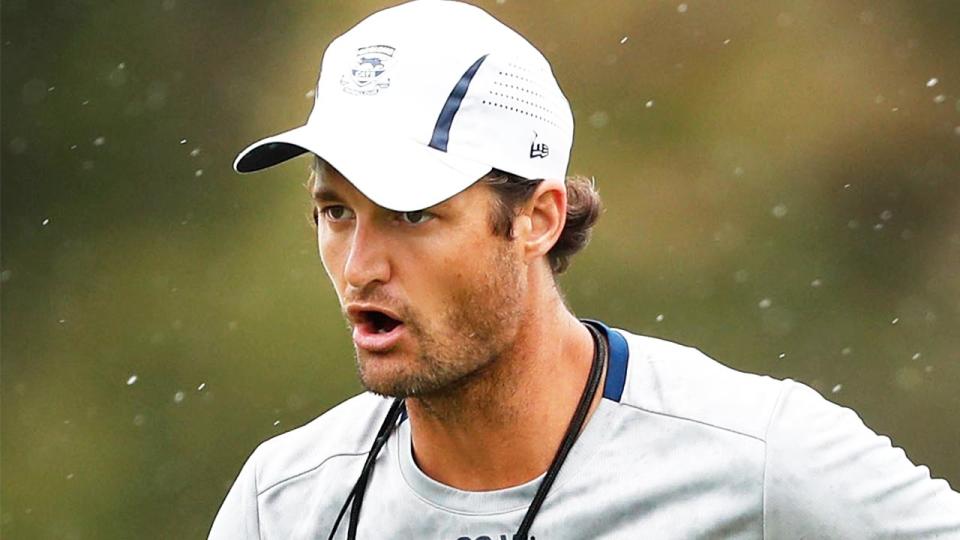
(385, 375)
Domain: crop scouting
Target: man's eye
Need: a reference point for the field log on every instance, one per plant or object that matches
(415, 218)
(336, 212)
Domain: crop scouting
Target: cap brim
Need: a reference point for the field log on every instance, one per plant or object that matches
(393, 172)
(273, 150)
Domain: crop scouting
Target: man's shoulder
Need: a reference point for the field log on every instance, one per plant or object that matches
(670, 379)
(347, 429)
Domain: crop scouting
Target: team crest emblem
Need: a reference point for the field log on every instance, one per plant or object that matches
(369, 74)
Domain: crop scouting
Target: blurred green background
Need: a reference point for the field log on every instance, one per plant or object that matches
(782, 184)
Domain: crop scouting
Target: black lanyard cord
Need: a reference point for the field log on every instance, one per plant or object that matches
(573, 430)
(356, 493)
(355, 498)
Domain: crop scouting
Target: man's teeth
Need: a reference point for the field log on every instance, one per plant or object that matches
(381, 330)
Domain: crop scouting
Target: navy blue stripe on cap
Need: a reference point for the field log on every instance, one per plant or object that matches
(619, 356)
(441, 132)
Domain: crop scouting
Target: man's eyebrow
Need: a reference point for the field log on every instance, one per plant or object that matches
(325, 194)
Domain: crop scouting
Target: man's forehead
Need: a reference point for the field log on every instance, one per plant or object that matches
(329, 184)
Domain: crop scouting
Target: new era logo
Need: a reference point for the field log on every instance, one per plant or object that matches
(538, 149)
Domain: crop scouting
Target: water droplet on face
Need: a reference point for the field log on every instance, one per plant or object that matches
(132, 379)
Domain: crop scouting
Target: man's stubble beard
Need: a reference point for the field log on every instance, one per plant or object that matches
(478, 325)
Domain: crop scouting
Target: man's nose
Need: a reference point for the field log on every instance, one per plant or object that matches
(369, 258)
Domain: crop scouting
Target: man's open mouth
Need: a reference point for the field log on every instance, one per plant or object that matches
(377, 322)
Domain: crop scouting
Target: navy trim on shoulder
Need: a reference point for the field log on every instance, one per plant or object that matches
(619, 357)
(441, 132)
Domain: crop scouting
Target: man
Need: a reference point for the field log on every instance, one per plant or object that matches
(442, 141)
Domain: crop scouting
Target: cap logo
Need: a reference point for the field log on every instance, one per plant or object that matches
(538, 149)
(369, 74)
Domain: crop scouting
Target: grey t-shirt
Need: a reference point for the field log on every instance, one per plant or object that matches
(679, 447)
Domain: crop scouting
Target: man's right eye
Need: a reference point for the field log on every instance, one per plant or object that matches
(336, 212)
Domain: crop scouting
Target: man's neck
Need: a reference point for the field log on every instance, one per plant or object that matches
(502, 428)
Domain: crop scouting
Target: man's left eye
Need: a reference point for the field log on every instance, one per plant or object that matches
(416, 217)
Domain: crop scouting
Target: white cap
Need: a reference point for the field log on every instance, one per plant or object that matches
(419, 101)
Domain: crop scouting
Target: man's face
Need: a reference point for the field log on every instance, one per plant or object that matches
(432, 297)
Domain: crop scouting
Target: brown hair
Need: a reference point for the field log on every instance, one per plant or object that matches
(512, 191)
(583, 211)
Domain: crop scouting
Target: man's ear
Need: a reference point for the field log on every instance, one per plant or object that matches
(541, 220)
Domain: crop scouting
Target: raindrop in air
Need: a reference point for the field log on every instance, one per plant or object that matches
(132, 379)
(932, 82)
